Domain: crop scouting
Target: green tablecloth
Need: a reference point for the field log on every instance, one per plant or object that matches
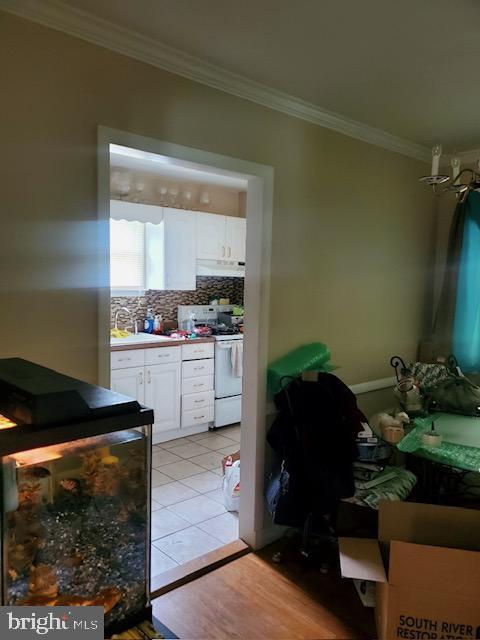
(461, 441)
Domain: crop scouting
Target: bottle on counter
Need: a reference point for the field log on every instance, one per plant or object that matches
(158, 325)
(149, 320)
(191, 325)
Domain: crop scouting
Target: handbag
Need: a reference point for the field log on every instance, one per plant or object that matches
(280, 499)
(457, 394)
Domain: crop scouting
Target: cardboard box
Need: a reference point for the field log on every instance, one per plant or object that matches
(426, 566)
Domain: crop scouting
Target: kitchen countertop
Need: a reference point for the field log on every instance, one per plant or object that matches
(124, 344)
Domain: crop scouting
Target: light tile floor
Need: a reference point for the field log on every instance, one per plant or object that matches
(188, 516)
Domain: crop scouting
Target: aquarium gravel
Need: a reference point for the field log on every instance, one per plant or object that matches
(82, 535)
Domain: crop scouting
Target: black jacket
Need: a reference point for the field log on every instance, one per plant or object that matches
(314, 435)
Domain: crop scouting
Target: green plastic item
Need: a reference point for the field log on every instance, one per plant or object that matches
(309, 357)
(452, 454)
(397, 486)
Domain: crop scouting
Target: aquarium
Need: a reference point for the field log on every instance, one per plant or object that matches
(75, 526)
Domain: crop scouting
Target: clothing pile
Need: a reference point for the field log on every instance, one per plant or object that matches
(314, 436)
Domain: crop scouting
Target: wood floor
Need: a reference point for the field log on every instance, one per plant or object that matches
(253, 599)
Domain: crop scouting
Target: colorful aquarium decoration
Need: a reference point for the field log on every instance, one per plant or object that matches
(77, 534)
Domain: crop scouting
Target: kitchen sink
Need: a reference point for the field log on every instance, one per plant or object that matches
(138, 338)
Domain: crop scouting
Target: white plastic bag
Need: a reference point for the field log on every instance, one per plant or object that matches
(231, 485)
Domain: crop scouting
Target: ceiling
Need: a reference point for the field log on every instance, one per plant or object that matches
(407, 67)
(172, 168)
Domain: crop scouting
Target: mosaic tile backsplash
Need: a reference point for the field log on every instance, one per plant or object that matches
(166, 302)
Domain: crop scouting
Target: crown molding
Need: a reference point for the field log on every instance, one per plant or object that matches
(469, 157)
(75, 22)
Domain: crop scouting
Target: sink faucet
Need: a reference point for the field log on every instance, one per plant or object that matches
(127, 311)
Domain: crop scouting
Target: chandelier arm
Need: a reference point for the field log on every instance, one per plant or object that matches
(472, 173)
(436, 192)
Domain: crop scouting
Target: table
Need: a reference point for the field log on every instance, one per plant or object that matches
(444, 471)
(461, 441)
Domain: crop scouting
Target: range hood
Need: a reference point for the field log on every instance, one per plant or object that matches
(223, 268)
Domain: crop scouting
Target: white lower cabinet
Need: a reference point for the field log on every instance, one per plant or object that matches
(198, 397)
(194, 401)
(176, 382)
(198, 416)
(162, 394)
(129, 382)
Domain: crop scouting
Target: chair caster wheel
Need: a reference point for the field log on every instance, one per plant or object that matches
(324, 568)
(277, 557)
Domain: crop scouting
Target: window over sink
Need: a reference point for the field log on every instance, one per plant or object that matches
(127, 257)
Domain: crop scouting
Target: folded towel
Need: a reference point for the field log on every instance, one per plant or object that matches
(236, 356)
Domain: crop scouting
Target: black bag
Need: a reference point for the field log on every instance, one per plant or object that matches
(280, 499)
(457, 394)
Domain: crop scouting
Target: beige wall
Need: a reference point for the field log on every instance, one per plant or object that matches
(352, 228)
(226, 202)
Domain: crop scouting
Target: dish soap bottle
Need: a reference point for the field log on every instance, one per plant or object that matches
(149, 320)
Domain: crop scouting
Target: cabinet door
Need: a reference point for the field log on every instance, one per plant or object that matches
(236, 237)
(180, 250)
(162, 394)
(129, 382)
(210, 236)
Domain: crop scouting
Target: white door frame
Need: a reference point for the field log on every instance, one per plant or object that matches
(257, 292)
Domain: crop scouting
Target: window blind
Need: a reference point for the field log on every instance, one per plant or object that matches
(127, 254)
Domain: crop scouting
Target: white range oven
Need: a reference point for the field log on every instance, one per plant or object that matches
(228, 380)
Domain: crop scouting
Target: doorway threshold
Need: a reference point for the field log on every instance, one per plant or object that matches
(176, 577)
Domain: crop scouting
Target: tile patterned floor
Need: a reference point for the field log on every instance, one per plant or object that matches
(188, 516)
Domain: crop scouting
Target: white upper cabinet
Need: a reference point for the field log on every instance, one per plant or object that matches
(180, 250)
(161, 249)
(236, 238)
(220, 237)
(211, 229)
(171, 252)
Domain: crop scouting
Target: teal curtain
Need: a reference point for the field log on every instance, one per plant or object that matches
(466, 326)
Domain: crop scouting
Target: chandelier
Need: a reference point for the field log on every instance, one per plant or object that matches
(457, 181)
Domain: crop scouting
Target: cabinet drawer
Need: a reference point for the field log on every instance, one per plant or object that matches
(198, 416)
(162, 355)
(195, 401)
(195, 368)
(125, 359)
(195, 385)
(198, 351)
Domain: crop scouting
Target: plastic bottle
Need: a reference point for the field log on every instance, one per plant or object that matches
(191, 325)
(158, 324)
(149, 320)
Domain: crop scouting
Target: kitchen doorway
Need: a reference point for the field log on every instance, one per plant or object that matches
(258, 181)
